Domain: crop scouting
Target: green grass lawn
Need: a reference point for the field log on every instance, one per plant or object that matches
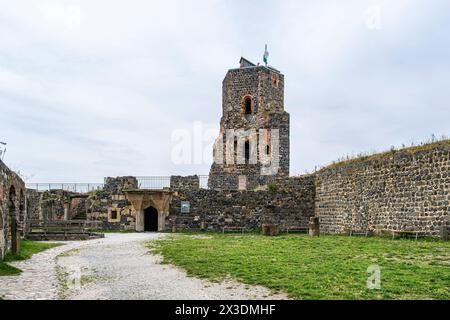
(327, 267)
(27, 249)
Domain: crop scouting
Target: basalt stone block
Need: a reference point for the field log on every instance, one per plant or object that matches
(445, 233)
(314, 227)
(270, 229)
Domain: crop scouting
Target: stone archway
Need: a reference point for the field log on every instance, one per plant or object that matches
(151, 219)
(143, 199)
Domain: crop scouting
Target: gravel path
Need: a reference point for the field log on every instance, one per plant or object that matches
(38, 279)
(116, 267)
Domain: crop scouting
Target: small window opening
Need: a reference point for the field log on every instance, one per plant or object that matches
(113, 214)
(267, 149)
(247, 151)
(248, 105)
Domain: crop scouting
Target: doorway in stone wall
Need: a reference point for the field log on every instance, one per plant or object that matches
(150, 219)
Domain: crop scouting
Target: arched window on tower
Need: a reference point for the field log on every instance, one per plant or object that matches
(248, 105)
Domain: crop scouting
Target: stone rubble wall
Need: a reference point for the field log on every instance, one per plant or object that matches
(403, 190)
(184, 182)
(116, 185)
(33, 204)
(11, 206)
(288, 202)
(93, 206)
(100, 203)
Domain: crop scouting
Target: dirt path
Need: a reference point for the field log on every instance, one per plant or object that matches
(116, 267)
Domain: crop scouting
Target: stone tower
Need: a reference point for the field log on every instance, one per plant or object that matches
(253, 145)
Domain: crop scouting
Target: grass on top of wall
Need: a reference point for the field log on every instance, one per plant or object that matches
(27, 249)
(386, 154)
(326, 267)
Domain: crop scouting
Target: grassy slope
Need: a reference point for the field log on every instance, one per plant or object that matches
(28, 248)
(329, 267)
(387, 154)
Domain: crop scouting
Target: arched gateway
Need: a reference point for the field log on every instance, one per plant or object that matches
(151, 208)
(150, 219)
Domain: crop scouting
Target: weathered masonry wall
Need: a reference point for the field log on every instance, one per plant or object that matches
(289, 202)
(405, 190)
(108, 205)
(12, 209)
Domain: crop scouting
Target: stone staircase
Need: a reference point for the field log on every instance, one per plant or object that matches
(42, 230)
(80, 216)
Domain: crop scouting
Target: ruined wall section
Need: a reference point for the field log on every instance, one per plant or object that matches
(12, 208)
(404, 190)
(287, 203)
(33, 204)
(110, 205)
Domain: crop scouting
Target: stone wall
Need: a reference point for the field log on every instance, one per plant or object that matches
(52, 204)
(116, 185)
(110, 205)
(288, 202)
(184, 182)
(12, 209)
(33, 204)
(403, 190)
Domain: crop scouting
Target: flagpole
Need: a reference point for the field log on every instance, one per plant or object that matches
(266, 55)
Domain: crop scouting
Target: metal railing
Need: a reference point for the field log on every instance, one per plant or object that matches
(144, 182)
(73, 187)
(153, 182)
(161, 182)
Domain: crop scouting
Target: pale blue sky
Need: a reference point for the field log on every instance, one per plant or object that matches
(96, 88)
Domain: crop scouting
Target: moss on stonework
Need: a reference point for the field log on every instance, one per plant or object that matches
(96, 194)
(272, 187)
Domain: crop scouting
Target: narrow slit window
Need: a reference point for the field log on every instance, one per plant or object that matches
(247, 151)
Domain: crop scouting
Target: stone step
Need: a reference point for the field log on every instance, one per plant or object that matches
(50, 236)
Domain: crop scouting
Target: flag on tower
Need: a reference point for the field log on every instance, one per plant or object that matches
(266, 55)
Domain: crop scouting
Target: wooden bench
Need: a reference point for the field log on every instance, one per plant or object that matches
(297, 229)
(234, 229)
(364, 233)
(407, 233)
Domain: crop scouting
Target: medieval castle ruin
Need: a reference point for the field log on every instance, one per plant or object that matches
(248, 185)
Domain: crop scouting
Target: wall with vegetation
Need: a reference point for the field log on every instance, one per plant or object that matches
(397, 190)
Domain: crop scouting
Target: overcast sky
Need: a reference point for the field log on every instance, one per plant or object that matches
(90, 89)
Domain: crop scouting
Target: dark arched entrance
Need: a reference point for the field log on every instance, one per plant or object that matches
(150, 219)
